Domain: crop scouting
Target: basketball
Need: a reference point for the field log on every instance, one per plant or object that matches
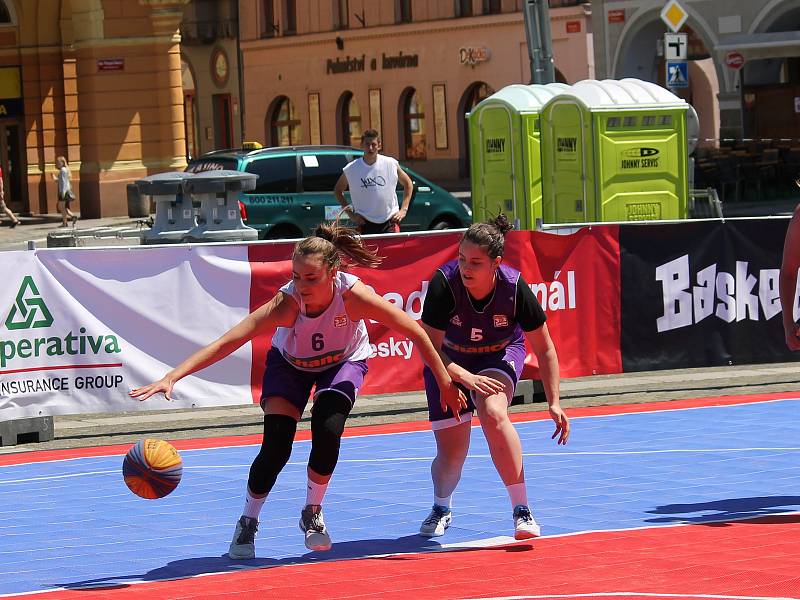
(152, 469)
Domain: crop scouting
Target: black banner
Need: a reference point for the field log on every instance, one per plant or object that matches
(700, 294)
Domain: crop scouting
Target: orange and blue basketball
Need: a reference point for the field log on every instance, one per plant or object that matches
(152, 469)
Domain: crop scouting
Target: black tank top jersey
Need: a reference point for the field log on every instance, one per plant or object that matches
(440, 304)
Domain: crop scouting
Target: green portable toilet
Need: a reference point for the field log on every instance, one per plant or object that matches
(614, 151)
(505, 158)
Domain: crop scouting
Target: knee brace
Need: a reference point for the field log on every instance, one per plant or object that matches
(276, 448)
(327, 425)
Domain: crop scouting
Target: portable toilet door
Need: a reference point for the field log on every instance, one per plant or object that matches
(566, 163)
(505, 156)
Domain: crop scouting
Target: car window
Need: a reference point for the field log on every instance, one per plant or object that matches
(321, 171)
(211, 164)
(277, 175)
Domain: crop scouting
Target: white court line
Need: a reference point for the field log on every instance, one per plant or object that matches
(635, 595)
(428, 459)
(475, 426)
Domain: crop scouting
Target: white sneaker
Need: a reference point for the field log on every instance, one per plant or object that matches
(313, 525)
(243, 546)
(525, 527)
(437, 521)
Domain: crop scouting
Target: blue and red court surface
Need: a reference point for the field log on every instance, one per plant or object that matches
(691, 499)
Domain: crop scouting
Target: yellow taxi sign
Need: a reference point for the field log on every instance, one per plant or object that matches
(674, 15)
(251, 146)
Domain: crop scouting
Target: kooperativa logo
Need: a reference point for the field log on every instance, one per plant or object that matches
(29, 310)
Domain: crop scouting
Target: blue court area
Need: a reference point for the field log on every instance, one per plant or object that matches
(73, 524)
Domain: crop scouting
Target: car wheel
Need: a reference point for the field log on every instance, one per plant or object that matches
(280, 232)
(443, 223)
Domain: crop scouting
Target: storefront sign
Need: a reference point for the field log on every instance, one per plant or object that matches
(11, 107)
(375, 109)
(111, 64)
(573, 26)
(616, 16)
(346, 65)
(400, 61)
(440, 116)
(472, 55)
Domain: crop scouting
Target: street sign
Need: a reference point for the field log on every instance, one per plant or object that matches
(734, 60)
(674, 15)
(677, 74)
(676, 46)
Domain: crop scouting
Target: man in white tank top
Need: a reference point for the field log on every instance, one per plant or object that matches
(372, 181)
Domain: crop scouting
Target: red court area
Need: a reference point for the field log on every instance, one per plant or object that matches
(759, 558)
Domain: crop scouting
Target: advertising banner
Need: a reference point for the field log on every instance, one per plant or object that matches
(701, 294)
(80, 328)
(575, 277)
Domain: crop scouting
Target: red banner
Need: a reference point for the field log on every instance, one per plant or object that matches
(575, 277)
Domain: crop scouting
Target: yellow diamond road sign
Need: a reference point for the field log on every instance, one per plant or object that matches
(674, 15)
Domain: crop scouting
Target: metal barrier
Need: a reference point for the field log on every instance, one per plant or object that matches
(704, 204)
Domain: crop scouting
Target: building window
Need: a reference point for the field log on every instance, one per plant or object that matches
(5, 16)
(349, 120)
(413, 124)
(463, 8)
(268, 26)
(289, 17)
(492, 7)
(403, 11)
(341, 13)
(284, 126)
(223, 121)
(476, 93)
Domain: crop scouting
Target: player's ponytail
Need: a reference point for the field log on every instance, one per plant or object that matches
(489, 235)
(332, 241)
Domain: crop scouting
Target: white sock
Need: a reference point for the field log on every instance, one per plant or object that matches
(315, 492)
(518, 494)
(252, 506)
(447, 502)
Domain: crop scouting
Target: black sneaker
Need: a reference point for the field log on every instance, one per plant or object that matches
(313, 525)
(243, 546)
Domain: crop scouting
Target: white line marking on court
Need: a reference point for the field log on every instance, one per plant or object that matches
(475, 426)
(428, 459)
(636, 595)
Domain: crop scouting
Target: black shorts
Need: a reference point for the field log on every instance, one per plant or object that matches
(386, 227)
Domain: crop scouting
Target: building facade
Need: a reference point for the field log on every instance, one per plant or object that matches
(106, 84)
(744, 60)
(322, 71)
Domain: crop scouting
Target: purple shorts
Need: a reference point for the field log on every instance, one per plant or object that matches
(285, 381)
(505, 365)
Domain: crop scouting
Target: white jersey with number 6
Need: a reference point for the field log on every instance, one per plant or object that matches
(317, 343)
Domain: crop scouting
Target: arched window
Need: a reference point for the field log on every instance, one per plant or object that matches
(284, 124)
(5, 15)
(190, 116)
(349, 120)
(413, 124)
(473, 95)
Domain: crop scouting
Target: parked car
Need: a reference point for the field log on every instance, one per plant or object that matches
(295, 190)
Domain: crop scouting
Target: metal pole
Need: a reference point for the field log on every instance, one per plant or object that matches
(540, 43)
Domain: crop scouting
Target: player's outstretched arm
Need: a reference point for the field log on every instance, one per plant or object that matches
(281, 311)
(788, 280)
(363, 303)
(545, 352)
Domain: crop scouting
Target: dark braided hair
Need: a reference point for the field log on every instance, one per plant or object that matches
(334, 242)
(489, 235)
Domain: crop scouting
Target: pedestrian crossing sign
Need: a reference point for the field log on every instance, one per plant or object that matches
(677, 74)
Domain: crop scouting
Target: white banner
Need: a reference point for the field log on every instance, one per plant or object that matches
(81, 327)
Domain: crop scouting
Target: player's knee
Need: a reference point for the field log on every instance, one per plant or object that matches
(276, 448)
(493, 414)
(327, 425)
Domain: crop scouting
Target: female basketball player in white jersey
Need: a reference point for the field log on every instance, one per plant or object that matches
(320, 339)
